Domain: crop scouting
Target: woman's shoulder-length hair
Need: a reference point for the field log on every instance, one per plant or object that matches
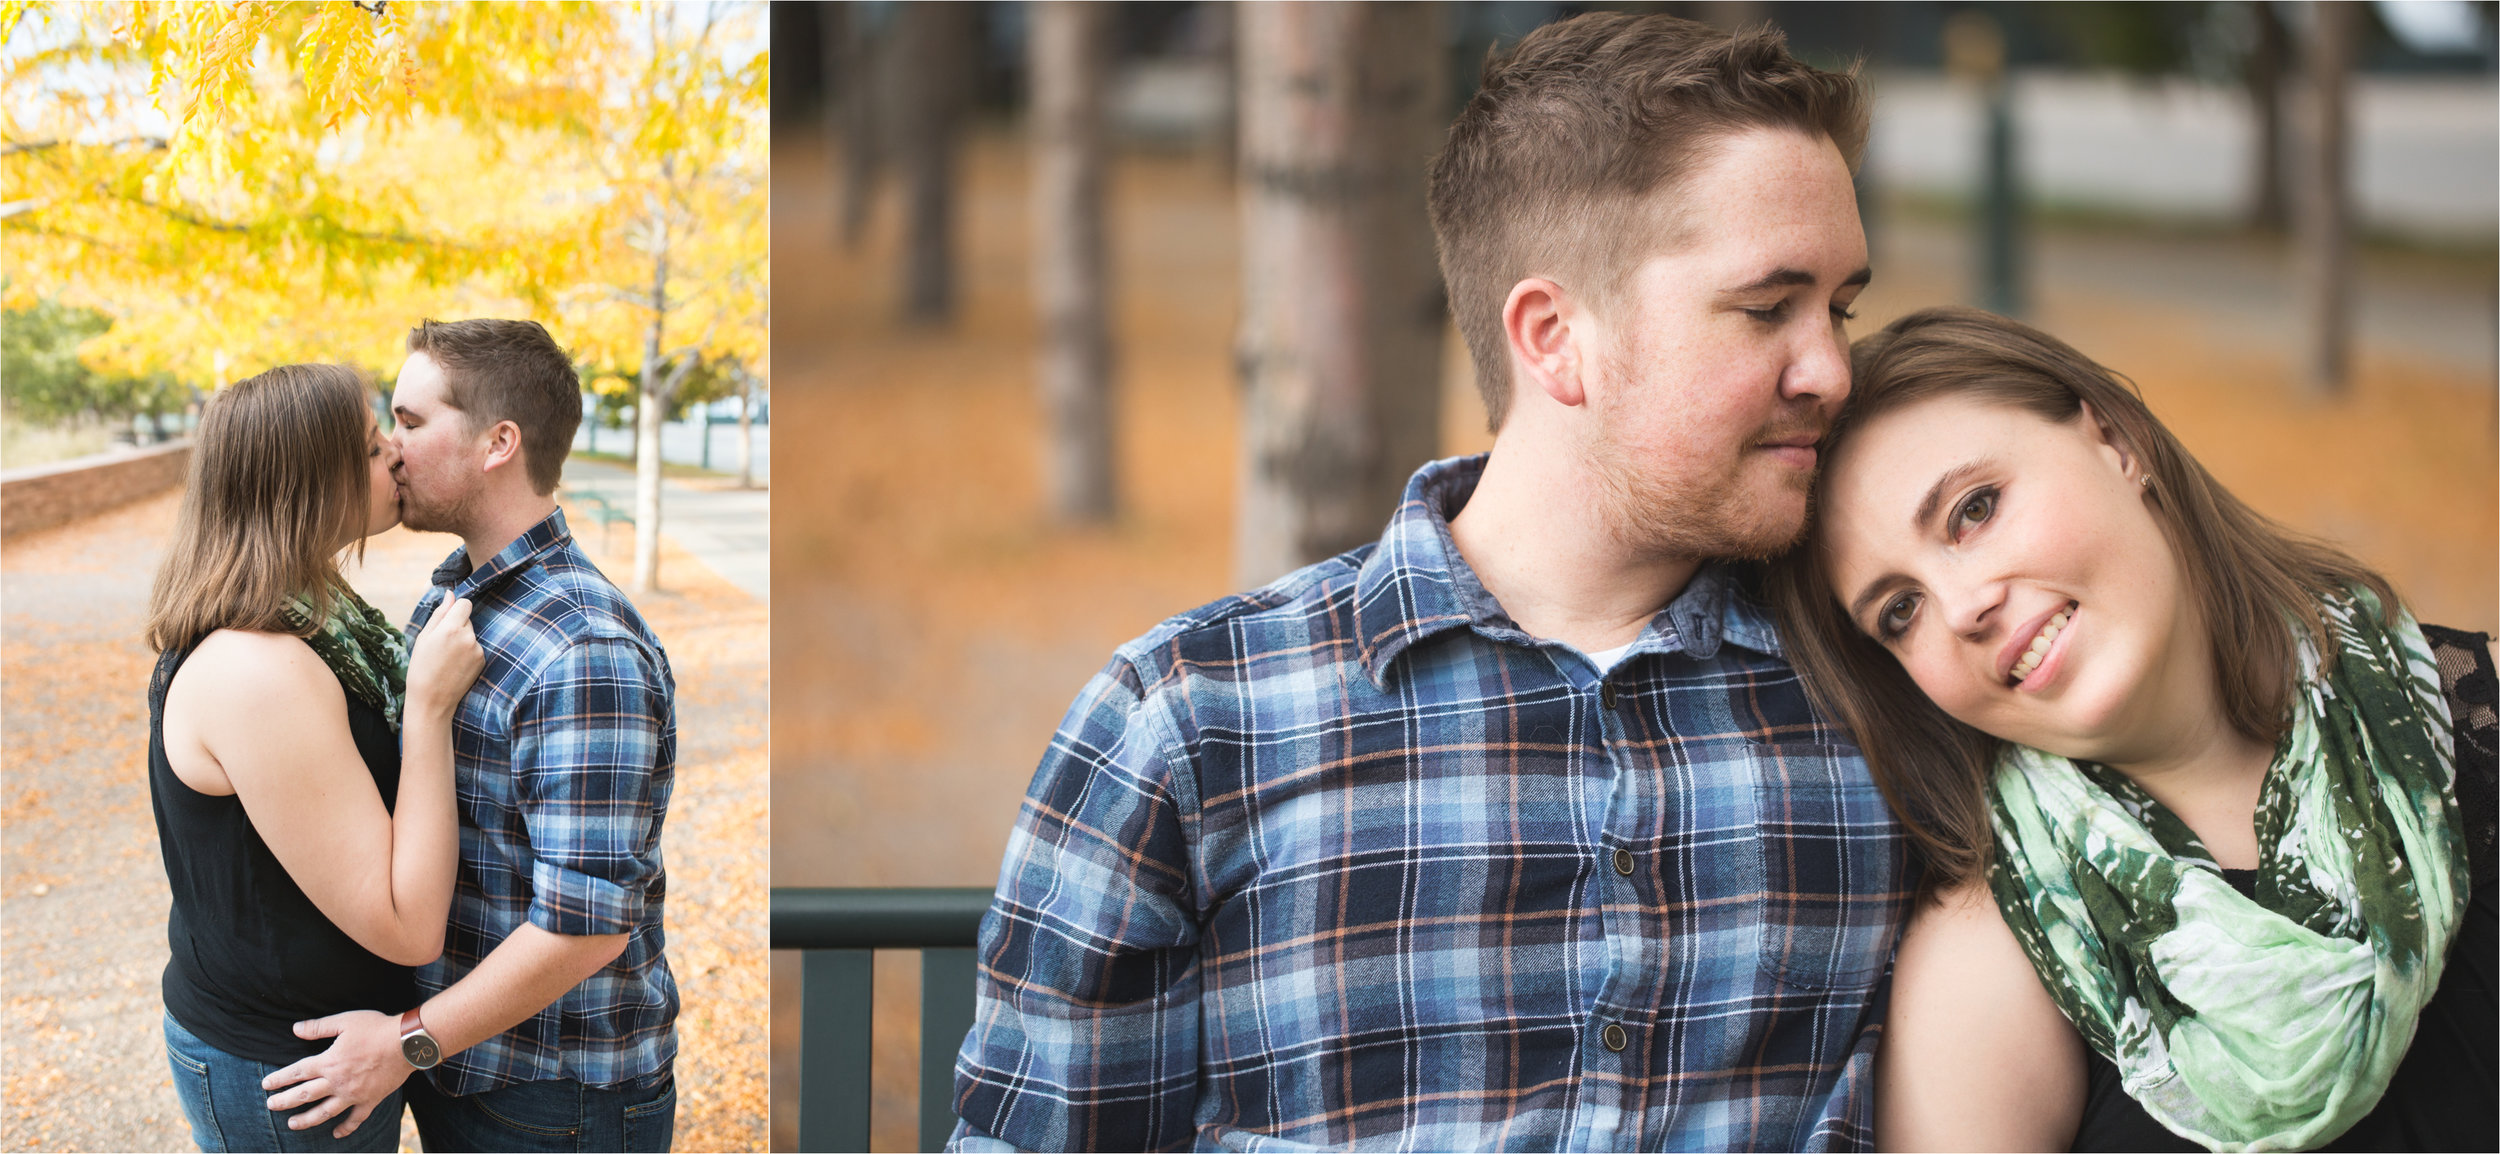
(2256, 583)
(276, 485)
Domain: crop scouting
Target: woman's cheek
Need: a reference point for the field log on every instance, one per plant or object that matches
(1942, 680)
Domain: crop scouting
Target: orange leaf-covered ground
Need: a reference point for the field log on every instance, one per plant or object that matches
(932, 627)
(82, 887)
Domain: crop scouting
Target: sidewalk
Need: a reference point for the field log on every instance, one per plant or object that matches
(725, 527)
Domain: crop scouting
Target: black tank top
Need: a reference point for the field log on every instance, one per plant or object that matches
(2445, 1095)
(252, 955)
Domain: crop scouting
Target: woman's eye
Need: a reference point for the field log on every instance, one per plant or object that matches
(1771, 315)
(1894, 618)
(1842, 313)
(1974, 511)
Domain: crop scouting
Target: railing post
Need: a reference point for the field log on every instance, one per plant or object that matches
(836, 1013)
(946, 980)
(836, 931)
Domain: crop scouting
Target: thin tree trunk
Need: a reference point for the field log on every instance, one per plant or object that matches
(649, 404)
(1070, 268)
(746, 428)
(2325, 225)
(933, 40)
(1343, 313)
(2268, 207)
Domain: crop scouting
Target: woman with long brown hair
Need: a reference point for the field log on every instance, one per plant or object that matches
(2206, 817)
(299, 757)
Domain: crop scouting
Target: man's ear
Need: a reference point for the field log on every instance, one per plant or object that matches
(1543, 346)
(503, 446)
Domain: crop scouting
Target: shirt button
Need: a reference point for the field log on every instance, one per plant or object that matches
(1623, 862)
(1614, 1037)
(1606, 693)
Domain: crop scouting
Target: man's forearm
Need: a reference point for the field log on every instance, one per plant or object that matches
(530, 970)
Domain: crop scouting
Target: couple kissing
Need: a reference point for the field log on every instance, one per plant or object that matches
(415, 870)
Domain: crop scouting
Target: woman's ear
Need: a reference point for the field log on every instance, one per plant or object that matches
(2114, 442)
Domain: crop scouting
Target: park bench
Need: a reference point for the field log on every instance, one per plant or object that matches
(596, 505)
(837, 931)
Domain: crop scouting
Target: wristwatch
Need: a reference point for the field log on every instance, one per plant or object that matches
(417, 1046)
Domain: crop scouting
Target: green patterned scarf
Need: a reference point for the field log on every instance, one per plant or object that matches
(2266, 1024)
(359, 645)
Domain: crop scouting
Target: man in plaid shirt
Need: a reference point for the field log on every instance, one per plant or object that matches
(1511, 830)
(550, 1020)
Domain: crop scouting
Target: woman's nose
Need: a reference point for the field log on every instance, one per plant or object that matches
(1969, 608)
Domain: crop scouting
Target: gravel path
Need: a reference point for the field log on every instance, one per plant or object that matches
(82, 888)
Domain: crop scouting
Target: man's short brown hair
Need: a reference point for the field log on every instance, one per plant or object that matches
(513, 371)
(1549, 170)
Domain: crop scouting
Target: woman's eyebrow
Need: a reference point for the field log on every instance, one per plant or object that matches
(1952, 477)
(1874, 590)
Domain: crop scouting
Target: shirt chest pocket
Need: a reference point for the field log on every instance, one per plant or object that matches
(1833, 884)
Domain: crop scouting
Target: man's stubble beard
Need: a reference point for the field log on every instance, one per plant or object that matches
(1662, 514)
(430, 517)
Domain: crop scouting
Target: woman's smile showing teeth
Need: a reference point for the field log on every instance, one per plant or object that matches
(2029, 660)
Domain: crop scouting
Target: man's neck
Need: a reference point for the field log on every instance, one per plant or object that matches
(1536, 534)
(500, 523)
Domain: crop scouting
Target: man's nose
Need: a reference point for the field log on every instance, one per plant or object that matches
(1820, 370)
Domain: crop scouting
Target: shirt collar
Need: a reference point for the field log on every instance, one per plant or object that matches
(1415, 585)
(456, 574)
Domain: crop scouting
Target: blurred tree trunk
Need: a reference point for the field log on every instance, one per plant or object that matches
(2324, 236)
(2268, 207)
(932, 49)
(851, 112)
(1226, 38)
(1070, 267)
(1342, 307)
(746, 427)
(1729, 15)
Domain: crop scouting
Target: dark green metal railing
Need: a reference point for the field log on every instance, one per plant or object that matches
(837, 930)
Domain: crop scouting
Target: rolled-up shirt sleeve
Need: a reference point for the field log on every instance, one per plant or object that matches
(1085, 1034)
(586, 748)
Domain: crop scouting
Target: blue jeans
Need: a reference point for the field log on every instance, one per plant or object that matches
(558, 1115)
(221, 1095)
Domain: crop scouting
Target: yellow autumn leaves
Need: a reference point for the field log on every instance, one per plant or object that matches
(245, 184)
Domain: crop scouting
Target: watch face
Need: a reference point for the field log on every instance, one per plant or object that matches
(420, 1051)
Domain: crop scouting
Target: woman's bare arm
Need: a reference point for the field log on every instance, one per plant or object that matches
(1975, 1055)
(259, 716)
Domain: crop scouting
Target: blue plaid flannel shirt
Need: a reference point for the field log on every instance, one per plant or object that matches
(1352, 861)
(565, 751)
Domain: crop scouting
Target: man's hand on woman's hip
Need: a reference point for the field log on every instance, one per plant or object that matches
(352, 1077)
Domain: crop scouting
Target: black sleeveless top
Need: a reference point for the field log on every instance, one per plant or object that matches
(2445, 1095)
(252, 955)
